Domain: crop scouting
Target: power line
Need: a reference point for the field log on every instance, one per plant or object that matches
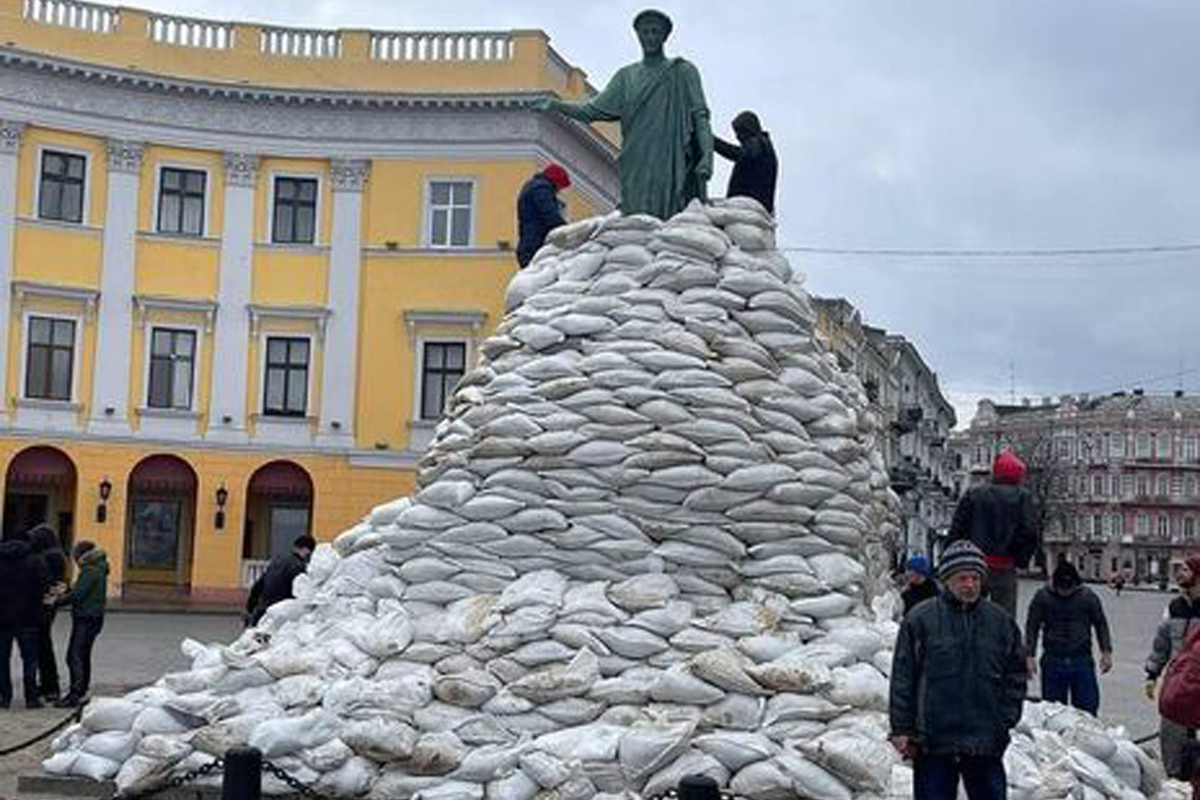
(1008, 252)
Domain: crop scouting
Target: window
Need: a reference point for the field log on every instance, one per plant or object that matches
(1189, 486)
(450, 213)
(1189, 527)
(1176, 485)
(181, 201)
(1143, 525)
(1164, 526)
(1162, 447)
(1163, 485)
(1098, 485)
(1189, 448)
(1064, 449)
(60, 195)
(295, 216)
(1097, 526)
(1116, 445)
(1127, 485)
(1143, 485)
(172, 358)
(50, 359)
(1118, 525)
(286, 386)
(1143, 445)
(442, 367)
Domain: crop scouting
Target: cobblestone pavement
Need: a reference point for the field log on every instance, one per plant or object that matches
(136, 649)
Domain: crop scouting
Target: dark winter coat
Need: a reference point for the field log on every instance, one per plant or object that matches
(538, 213)
(274, 584)
(914, 594)
(1183, 619)
(755, 168)
(998, 519)
(958, 678)
(88, 598)
(22, 586)
(1066, 620)
(45, 543)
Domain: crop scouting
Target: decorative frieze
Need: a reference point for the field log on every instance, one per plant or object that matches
(241, 169)
(125, 156)
(350, 174)
(10, 135)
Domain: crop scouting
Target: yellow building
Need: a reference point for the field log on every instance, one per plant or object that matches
(245, 265)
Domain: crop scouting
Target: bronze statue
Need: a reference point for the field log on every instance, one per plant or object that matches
(666, 141)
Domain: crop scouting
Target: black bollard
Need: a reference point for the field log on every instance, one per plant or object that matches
(698, 787)
(243, 774)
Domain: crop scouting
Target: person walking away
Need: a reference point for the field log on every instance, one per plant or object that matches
(45, 543)
(1182, 619)
(22, 584)
(275, 583)
(755, 167)
(539, 211)
(958, 685)
(998, 518)
(921, 585)
(1119, 583)
(1064, 614)
(88, 600)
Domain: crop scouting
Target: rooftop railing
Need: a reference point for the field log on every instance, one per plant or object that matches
(73, 14)
(435, 46)
(188, 32)
(299, 43)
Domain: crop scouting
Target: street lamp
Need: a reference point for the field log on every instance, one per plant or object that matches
(222, 499)
(102, 507)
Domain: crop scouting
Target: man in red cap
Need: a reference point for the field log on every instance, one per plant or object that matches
(539, 210)
(999, 519)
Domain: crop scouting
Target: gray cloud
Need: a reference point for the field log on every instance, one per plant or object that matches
(940, 123)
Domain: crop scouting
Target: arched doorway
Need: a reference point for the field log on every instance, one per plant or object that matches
(279, 501)
(40, 487)
(160, 523)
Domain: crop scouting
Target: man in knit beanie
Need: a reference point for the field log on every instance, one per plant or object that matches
(999, 519)
(958, 684)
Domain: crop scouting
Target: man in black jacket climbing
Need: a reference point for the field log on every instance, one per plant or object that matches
(275, 583)
(539, 210)
(755, 167)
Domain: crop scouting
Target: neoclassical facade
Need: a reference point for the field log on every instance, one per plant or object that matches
(246, 264)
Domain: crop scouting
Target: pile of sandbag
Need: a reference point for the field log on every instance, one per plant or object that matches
(645, 543)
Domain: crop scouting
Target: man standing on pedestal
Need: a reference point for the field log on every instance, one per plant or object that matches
(666, 140)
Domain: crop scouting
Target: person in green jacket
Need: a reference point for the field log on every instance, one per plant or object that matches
(88, 599)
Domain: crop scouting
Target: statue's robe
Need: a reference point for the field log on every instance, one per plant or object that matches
(663, 116)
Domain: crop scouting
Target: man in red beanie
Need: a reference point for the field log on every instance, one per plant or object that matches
(999, 519)
(539, 210)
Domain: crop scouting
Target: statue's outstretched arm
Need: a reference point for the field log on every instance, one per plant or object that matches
(584, 112)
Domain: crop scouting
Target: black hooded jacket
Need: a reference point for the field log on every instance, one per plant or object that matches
(45, 543)
(1064, 613)
(538, 213)
(999, 519)
(22, 586)
(755, 168)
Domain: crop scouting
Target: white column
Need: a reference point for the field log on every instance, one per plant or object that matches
(114, 317)
(341, 336)
(10, 145)
(227, 405)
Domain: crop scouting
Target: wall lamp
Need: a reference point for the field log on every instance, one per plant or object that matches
(102, 506)
(222, 499)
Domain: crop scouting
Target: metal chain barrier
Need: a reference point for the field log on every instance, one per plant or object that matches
(296, 786)
(178, 782)
(673, 794)
(72, 717)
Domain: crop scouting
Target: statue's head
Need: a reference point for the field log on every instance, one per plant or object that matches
(652, 27)
(746, 125)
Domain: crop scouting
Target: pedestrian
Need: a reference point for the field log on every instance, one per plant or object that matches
(45, 543)
(1182, 618)
(920, 583)
(1065, 613)
(275, 583)
(755, 167)
(22, 585)
(998, 518)
(958, 685)
(88, 600)
(539, 210)
(1119, 583)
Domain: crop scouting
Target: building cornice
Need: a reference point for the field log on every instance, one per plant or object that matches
(135, 106)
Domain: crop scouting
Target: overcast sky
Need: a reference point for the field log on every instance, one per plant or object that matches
(937, 124)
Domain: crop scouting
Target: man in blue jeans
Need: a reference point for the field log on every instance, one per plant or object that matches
(958, 684)
(1065, 613)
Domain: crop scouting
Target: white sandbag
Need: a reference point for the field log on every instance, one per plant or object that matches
(726, 669)
(632, 642)
(388, 636)
(762, 780)
(833, 604)
(590, 598)
(159, 721)
(328, 757)
(515, 785)
(558, 682)
(810, 779)
(536, 588)
(736, 749)
(110, 714)
(792, 672)
(450, 790)
(647, 748)
(281, 737)
(112, 745)
(692, 762)
(838, 570)
(736, 712)
(862, 761)
(352, 779)
(788, 707)
(547, 770)
(435, 754)
(679, 685)
(859, 685)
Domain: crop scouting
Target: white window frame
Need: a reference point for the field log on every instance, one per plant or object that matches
(1162, 526)
(1162, 481)
(317, 211)
(208, 175)
(1116, 445)
(1189, 447)
(1158, 448)
(310, 412)
(198, 332)
(76, 356)
(427, 215)
(419, 378)
(87, 184)
(1139, 451)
